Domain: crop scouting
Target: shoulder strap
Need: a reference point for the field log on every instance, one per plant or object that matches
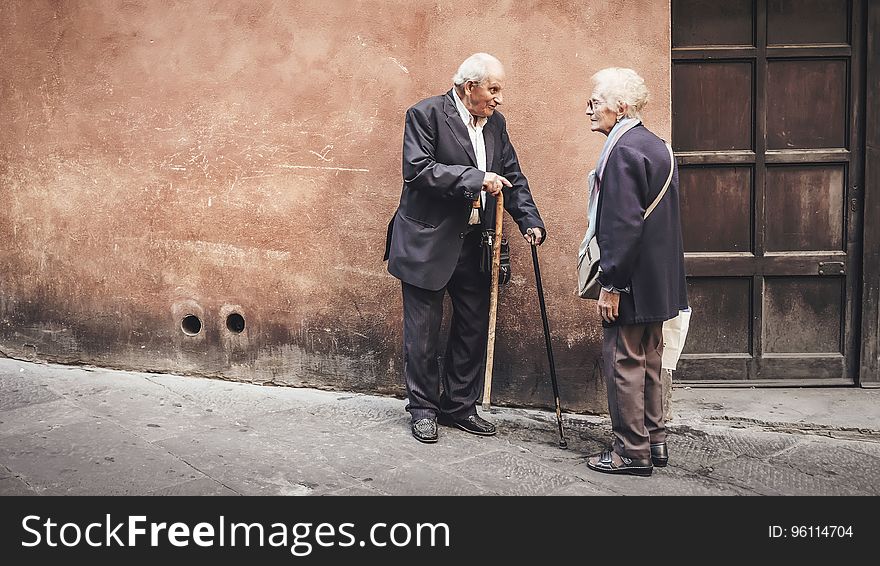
(666, 186)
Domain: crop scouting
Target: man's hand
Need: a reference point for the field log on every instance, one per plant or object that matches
(493, 182)
(534, 236)
(607, 306)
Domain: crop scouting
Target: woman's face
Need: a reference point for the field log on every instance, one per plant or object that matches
(602, 116)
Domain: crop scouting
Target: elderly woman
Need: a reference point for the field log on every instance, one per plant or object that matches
(641, 268)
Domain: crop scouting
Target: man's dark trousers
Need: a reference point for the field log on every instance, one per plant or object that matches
(465, 360)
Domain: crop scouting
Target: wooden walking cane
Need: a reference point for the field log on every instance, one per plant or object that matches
(493, 298)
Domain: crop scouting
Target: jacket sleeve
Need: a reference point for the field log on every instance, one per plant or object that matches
(621, 216)
(421, 171)
(518, 199)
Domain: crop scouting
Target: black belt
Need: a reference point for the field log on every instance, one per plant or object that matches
(470, 229)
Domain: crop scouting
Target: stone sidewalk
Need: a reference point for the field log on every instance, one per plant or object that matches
(90, 431)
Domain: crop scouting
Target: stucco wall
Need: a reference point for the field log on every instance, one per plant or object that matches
(166, 158)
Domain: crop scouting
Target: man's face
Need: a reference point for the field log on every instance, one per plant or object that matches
(482, 99)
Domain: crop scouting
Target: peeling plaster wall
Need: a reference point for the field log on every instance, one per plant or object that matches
(160, 159)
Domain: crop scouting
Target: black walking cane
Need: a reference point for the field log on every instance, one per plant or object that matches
(562, 442)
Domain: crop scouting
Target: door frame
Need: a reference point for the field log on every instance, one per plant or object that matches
(869, 366)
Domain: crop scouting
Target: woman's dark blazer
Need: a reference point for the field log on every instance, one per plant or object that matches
(644, 255)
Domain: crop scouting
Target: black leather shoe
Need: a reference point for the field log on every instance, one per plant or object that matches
(473, 424)
(425, 430)
(629, 466)
(659, 454)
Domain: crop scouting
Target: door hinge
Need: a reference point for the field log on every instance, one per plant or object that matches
(831, 268)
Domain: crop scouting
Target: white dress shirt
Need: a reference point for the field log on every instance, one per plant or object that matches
(474, 127)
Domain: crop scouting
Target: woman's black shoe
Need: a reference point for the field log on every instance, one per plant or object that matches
(604, 463)
(659, 454)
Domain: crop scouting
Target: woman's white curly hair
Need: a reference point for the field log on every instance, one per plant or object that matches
(618, 84)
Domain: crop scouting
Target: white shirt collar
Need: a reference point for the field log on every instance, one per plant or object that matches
(466, 116)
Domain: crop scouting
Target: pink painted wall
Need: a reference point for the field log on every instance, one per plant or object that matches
(161, 158)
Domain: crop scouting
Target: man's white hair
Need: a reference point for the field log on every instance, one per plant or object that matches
(476, 68)
(617, 84)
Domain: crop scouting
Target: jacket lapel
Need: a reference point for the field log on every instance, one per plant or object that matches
(453, 119)
(489, 138)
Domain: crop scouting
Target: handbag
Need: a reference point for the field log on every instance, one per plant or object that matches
(486, 242)
(675, 332)
(588, 271)
(504, 266)
(588, 264)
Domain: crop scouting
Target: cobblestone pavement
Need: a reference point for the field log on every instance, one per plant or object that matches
(90, 431)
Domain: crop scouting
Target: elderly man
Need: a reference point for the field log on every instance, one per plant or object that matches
(457, 157)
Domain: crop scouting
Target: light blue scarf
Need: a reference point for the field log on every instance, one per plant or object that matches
(594, 179)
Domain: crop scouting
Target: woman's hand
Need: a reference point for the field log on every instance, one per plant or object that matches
(607, 306)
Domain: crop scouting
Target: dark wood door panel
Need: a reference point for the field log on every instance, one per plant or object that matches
(832, 369)
(804, 207)
(709, 22)
(803, 22)
(803, 315)
(721, 322)
(714, 108)
(807, 104)
(784, 371)
(693, 368)
(717, 203)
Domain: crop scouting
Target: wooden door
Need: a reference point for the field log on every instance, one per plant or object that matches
(766, 104)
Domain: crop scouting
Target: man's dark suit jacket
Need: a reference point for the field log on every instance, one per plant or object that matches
(440, 181)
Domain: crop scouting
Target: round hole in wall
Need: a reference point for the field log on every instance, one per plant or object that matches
(235, 323)
(191, 325)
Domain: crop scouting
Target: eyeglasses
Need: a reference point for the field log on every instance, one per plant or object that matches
(594, 104)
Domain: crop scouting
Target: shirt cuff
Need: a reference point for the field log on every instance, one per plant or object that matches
(615, 290)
